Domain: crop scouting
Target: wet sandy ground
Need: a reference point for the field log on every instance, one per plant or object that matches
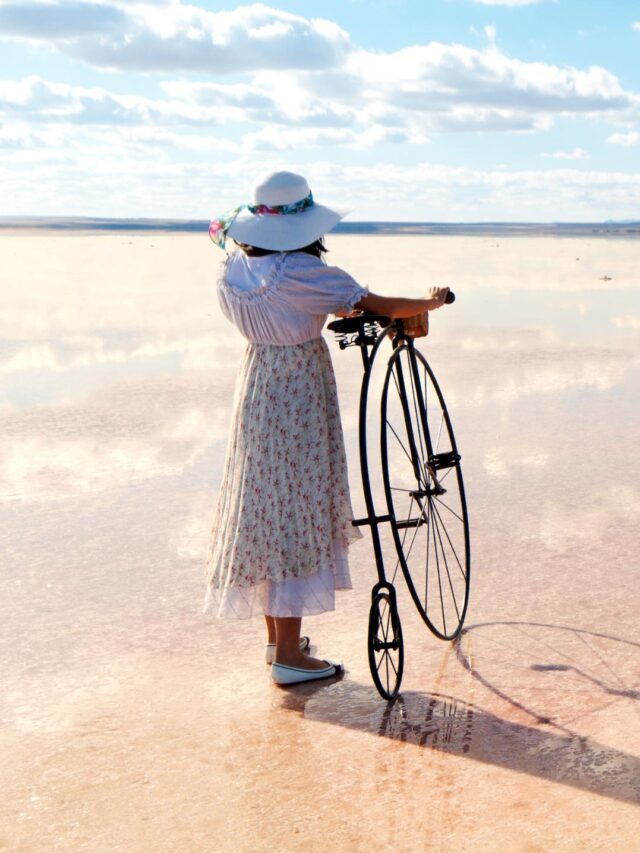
(131, 722)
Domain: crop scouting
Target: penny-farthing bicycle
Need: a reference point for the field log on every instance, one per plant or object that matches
(423, 492)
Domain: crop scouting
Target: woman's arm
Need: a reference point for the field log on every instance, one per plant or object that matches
(398, 306)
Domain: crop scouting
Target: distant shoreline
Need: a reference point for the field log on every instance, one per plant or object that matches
(185, 226)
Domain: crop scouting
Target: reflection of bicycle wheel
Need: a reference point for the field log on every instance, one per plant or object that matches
(385, 646)
(424, 491)
(554, 673)
(437, 721)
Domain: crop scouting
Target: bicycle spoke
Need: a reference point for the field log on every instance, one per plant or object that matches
(455, 553)
(407, 417)
(426, 578)
(395, 671)
(446, 506)
(453, 548)
(444, 476)
(384, 627)
(435, 548)
(406, 453)
(426, 572)
(446, 566)
(404, 536)
(437, 444)
(415, 533)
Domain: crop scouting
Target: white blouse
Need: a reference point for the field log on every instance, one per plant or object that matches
(284, 298)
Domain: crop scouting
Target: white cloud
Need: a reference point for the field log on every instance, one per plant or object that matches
(432, 76)
(429, 78)
(631, 138)
(349, 97)
(38, 100)
(53, 20)
(176, 36)
(576, 154)
(412, 94)
(636, 25)
(273, 139)
(274, 101)
(490, 32)
(81, 139)
(138, 177)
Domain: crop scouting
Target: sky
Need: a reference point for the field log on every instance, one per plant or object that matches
(410, 110)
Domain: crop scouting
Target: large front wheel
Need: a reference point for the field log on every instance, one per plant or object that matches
(424, 491)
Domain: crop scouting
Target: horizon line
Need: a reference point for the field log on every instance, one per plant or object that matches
(400, 226)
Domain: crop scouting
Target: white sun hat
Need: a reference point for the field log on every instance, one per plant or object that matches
(283, 217)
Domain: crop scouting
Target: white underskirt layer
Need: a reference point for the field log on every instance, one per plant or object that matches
(294, 597)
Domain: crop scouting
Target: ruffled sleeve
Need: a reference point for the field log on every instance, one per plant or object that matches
(316, 288)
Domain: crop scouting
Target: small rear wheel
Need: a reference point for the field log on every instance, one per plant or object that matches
(386, 649)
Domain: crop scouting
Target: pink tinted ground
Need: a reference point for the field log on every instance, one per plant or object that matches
(131, 723)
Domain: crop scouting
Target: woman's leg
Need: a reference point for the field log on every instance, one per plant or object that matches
(288, 644)
(271, 629)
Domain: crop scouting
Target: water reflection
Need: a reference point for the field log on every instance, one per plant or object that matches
(126, 433)
(532, 368)
(117, 373)
(438, 722)
(468, 264)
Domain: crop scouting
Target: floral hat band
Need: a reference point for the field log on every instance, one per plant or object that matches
(219, 227)
(282, 217)
(280, 209)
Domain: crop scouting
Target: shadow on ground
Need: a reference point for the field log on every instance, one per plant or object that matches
(545, 749)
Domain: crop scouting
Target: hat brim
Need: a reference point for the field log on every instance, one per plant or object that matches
(284, 232)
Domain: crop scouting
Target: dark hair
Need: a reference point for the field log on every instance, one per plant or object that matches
(316, 248)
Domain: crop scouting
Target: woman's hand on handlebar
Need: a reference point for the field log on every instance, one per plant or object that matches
(438, 295)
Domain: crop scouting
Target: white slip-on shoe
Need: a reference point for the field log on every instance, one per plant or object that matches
(270, 649)
(283, 674)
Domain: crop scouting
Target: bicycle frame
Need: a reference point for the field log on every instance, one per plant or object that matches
(372, 520)
(369, 345)
(412, 382)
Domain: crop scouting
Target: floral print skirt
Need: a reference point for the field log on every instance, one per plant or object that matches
(282, 524)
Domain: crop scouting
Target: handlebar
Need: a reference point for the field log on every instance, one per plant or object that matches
(348, 325)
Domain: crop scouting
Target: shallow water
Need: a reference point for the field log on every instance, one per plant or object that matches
(131, 722)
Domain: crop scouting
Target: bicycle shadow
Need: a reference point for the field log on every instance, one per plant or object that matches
(583, 654)
(449, 724)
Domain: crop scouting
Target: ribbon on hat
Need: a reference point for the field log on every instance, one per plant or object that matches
(282, 209)
(219, 227)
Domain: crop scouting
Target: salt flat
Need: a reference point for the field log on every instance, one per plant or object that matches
(131, 722)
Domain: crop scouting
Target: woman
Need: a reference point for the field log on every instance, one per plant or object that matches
(282, 526)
